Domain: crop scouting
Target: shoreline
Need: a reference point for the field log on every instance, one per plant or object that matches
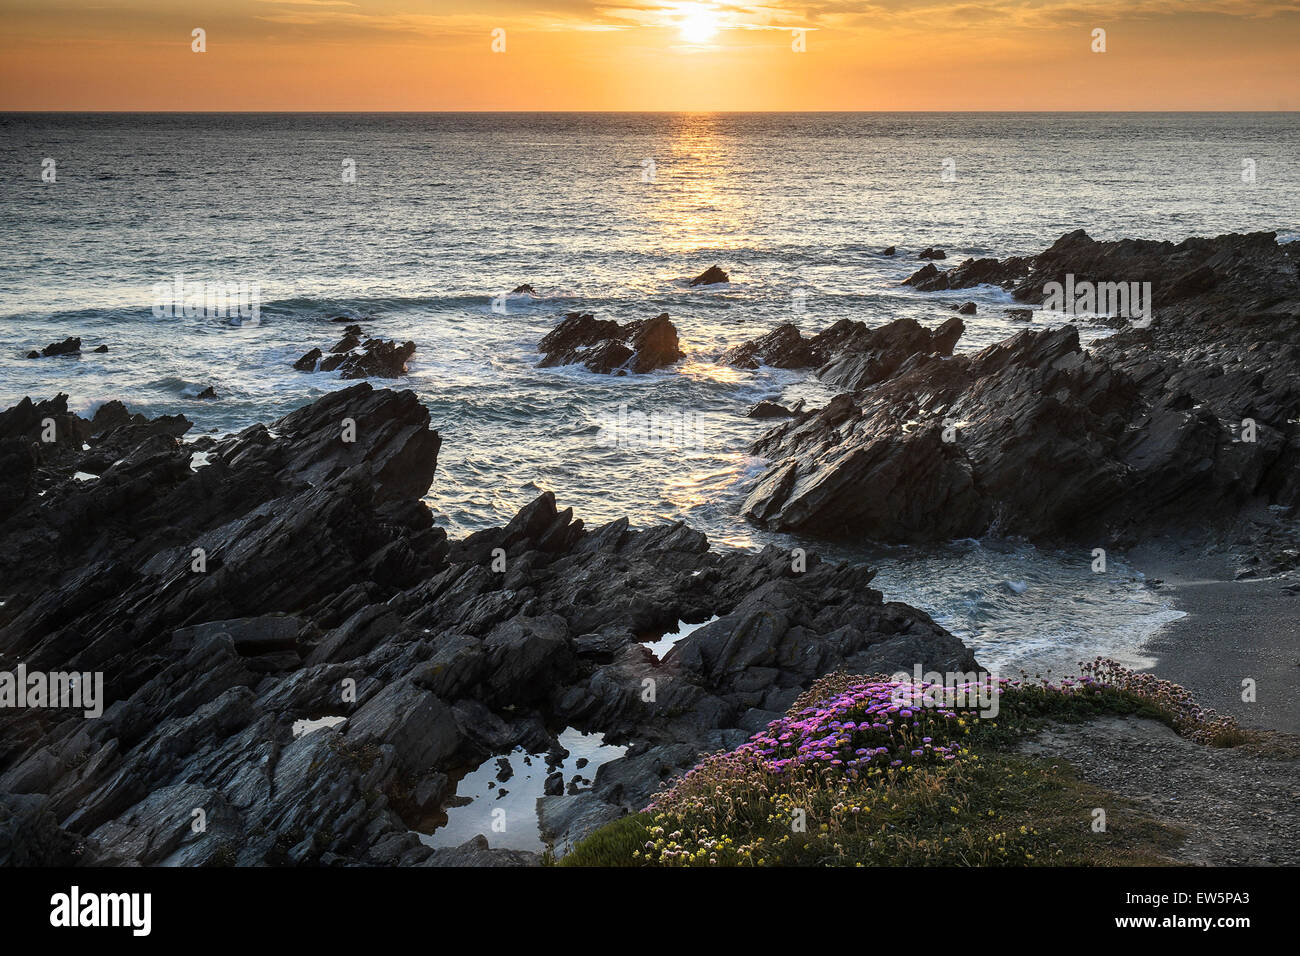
(1232, 630)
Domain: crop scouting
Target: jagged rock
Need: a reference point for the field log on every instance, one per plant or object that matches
(766, 409)
(972, 272)
(888, 251)
(69, 346)
(378, 359)
(521, 289)
(783, 347)
(351, 339)
(1194, 268)
(606, 347)
(654, 344)
(711, 276)
(922, 275)
(873, 355)
(1036, 436)
(845, 343)
(354, 358)
(966, 308)
(30, 834)
(931, 253)
(564, 819)
(477, 852)
(328, 592)
(100, 348)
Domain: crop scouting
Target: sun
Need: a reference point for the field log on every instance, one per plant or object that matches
(698, 24)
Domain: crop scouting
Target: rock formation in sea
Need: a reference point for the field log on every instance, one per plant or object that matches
(69, 346)
(713, 275)
(604, 346)
(848, 353)
(355, 356)
(1186, 421)
(228, 587)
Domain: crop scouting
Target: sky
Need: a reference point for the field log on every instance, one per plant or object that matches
(650, 55)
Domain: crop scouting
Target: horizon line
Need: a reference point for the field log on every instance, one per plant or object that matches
(352, 112)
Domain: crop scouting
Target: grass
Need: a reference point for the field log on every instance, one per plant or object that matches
(1003, 811)
(849, 778)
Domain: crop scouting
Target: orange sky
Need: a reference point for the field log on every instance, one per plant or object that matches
(650, 55)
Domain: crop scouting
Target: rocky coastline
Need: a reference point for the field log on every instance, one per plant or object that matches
(1186, 421)
(227, 588)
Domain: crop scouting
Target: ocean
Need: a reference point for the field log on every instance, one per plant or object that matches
(423, 223)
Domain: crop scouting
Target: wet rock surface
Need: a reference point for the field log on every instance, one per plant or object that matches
(848, 353)
(355, 356)
(297, 575)
(604, 346)
(1188, 422)
(69, 346)
(713, 275)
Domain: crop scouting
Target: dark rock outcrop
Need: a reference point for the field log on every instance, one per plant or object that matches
(604, 346)
(297, 574)
(1185, 423)
(1193, 268)
(848, 354)
(766, 409)
(69, 346)
(713, 275)
(355, 358)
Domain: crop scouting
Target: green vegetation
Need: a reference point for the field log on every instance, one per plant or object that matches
(871, 772)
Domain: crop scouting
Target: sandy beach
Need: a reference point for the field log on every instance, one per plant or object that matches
(1233, 630)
